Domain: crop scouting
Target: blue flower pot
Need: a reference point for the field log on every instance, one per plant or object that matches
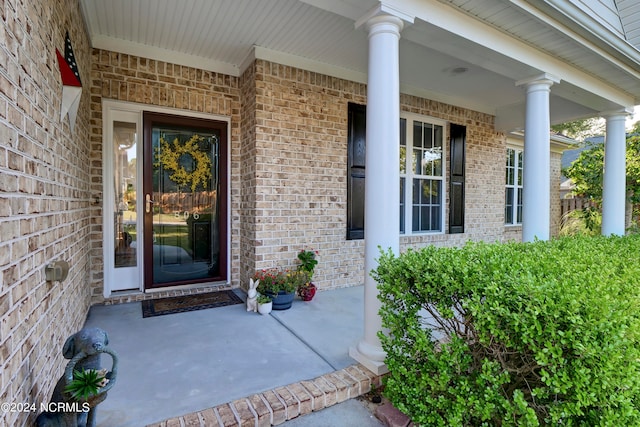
(283, 300)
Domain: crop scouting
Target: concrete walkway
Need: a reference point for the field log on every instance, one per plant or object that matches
(187, 362)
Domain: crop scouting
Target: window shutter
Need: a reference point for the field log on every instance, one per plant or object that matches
(355, 171)
(457, 136)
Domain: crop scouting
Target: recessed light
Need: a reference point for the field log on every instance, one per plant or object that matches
(458, 70)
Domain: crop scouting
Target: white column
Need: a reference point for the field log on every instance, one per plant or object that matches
(536, 208)
(382, 184)
(614, 186)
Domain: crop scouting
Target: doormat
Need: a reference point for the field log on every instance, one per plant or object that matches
(182, 304)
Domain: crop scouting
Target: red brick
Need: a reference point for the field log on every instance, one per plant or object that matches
(391, 417)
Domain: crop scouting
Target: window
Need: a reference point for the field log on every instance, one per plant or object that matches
(421, 175)
(513, 189)
(422, 172)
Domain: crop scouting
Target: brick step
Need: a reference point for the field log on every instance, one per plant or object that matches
(281, 404)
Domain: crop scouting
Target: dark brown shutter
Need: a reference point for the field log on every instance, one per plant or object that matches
(457, 136)
(355, 171)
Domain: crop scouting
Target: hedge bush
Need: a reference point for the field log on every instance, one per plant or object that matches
(543, 333)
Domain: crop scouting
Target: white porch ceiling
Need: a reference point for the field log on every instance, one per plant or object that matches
(223, 35)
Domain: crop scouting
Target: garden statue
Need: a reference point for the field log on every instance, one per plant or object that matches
(252, 295)
(84, 349)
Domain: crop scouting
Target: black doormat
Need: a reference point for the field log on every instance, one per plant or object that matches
(182, 304)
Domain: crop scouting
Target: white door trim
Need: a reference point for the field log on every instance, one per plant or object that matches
(132, 112)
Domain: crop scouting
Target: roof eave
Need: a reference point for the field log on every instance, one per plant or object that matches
(599, 34)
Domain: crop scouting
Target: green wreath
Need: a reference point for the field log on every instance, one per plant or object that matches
(170, 156)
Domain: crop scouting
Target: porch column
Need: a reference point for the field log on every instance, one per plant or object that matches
(536, 197)
(614, 186)
(382, 188)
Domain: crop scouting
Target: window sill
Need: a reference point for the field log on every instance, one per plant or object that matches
(422, 233)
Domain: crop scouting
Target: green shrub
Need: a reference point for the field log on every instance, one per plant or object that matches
(586, 221)
(543, 333)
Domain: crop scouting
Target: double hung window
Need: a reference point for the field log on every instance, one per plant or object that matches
(513, 187)
(421, 175)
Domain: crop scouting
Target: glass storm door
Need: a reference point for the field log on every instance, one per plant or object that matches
(124, 226)
(184, 200)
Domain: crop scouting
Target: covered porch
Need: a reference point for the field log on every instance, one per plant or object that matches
(281, 77)
(508, 69)
(188, 363)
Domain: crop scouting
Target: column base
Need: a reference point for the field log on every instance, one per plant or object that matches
(375, 366)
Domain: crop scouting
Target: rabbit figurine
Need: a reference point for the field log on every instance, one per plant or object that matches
(252, 295)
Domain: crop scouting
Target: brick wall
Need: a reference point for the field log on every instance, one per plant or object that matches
(300, 179)
(45, 199)
(248, 174)
(301, 191)
(288, 165)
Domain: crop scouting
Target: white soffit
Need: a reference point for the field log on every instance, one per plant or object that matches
(495, 42)
(219, 35)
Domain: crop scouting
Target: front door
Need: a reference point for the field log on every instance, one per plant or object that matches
(184, 200)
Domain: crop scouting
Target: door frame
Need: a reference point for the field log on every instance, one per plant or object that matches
(111, 109)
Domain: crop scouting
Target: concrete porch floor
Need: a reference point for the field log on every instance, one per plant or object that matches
(182, 363)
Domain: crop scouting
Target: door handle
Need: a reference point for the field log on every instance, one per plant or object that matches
(148, 203)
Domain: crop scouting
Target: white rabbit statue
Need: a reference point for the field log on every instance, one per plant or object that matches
(252, 295)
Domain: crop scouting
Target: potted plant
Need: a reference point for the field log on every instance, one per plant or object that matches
(265, 304)
(278, 284)
(308, 262)
(86, 385)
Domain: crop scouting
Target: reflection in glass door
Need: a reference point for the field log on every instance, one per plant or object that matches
(184, 200)
(124, 162)
(122, 267)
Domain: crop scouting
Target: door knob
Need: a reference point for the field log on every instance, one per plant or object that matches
(148, 203)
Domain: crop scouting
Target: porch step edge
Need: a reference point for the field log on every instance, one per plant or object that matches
(306, 396)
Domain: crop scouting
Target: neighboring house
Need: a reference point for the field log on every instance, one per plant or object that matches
(568, 157)
(267, 101)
